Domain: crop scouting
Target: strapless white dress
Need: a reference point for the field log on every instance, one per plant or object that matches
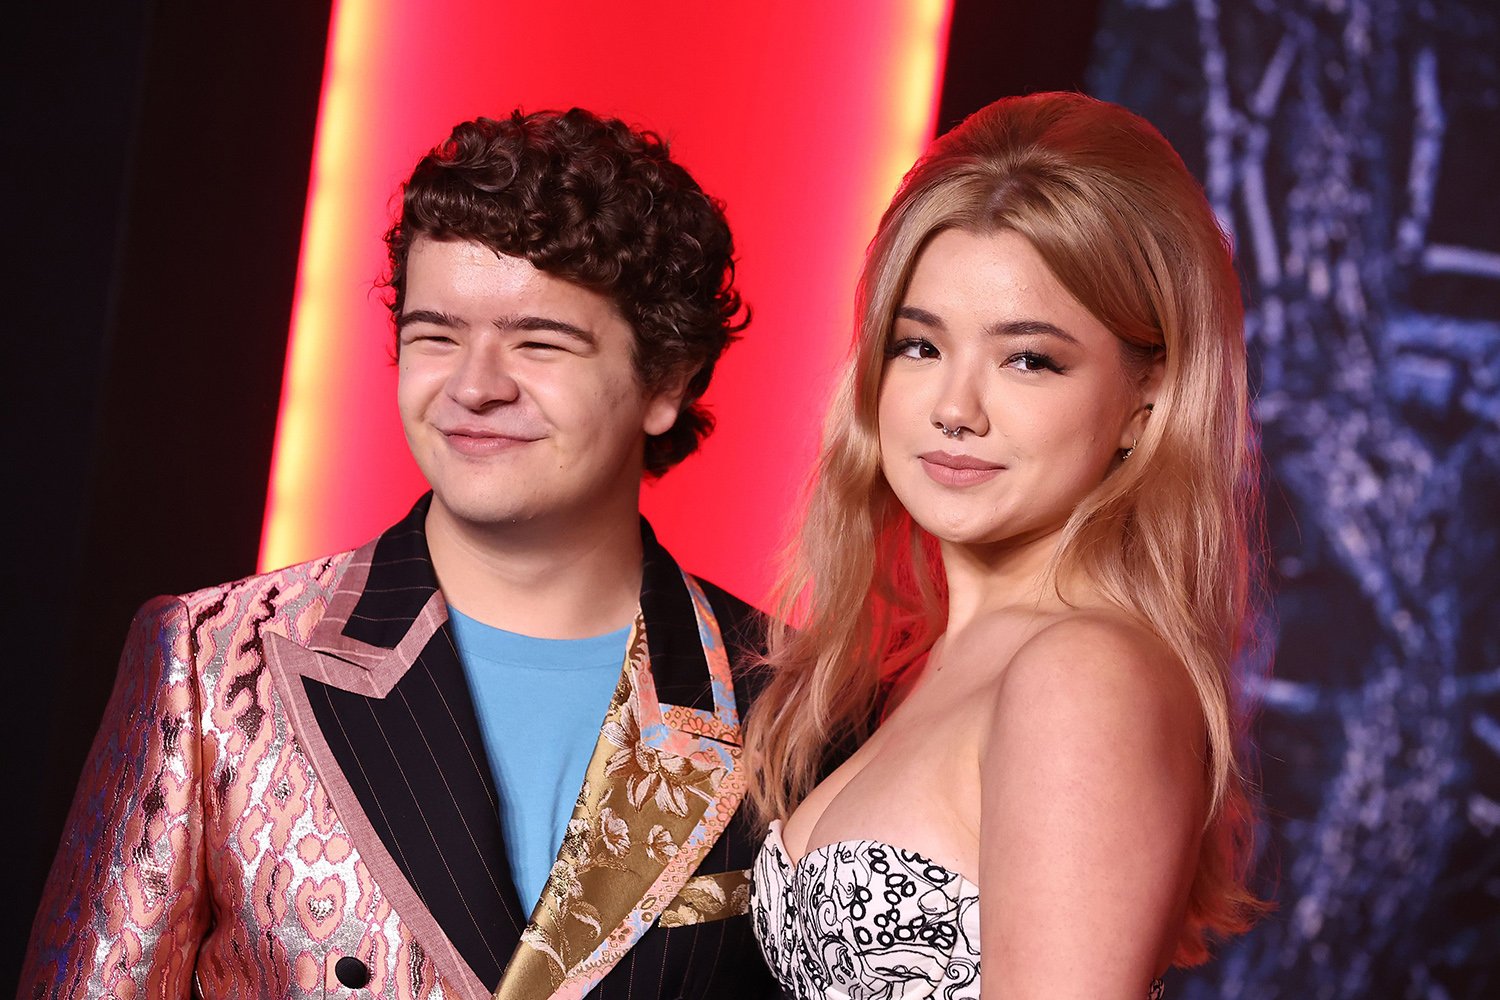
(863, 920)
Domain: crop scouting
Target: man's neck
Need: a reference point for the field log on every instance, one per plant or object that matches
(567, 582)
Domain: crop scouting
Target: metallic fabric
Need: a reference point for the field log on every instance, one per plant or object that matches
(202, 853)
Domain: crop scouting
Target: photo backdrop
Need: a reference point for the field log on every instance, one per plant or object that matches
(1353, 150)
(161, 156)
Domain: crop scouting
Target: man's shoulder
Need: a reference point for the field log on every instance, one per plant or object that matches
(737, 618)
(743, 628)
(725, 604)
(304, 584)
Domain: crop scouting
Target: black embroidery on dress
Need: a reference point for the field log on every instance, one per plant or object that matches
(864, 919)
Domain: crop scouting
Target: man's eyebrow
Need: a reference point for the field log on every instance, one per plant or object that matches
(431, 316)
(546, 323)
(505, 323)
(1007, 328)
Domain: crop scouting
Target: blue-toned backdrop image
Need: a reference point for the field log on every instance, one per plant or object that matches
(1350, 147)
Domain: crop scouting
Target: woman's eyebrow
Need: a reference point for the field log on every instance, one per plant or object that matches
(919, 315)
(1004, 328)
(1029, 328)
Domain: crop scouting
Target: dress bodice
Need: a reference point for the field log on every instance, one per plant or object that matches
(863, 920)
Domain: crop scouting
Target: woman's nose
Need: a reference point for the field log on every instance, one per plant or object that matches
(959, 406)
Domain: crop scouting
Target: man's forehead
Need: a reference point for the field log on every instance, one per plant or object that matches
(462, 283)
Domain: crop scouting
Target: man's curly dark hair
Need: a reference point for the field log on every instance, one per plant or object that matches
(591, 200)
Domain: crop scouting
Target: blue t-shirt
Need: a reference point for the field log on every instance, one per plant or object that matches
(540, 704)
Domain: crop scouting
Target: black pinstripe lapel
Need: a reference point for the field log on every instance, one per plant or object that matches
(678, 665)
(382, 707)
(415, 761)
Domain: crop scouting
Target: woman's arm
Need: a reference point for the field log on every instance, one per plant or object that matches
(1092, 801)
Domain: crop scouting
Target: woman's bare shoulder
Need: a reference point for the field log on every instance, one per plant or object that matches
(1098, 649)
(1096, 669)
(1092, 799)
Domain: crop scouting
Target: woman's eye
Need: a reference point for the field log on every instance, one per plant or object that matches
(913, 347)
(1031, 361)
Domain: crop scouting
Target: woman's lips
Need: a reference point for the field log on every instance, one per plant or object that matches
(949, 469)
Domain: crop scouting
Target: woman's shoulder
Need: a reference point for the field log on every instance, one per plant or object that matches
(1094, 638)
(1095, 667)
(1095, 726)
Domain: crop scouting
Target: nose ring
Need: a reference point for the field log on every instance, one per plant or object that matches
(951, 432)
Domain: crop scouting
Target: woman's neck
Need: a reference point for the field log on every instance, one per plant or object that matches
(1017, 575)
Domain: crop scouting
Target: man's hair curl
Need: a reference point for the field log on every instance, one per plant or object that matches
(593, 201)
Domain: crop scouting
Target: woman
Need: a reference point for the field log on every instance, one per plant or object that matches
(1026, 552)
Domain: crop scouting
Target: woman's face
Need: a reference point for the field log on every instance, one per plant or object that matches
(1031, 388)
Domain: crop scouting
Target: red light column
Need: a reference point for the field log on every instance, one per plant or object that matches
(801, 117)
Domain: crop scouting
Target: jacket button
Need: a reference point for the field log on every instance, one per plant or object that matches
(351, 972)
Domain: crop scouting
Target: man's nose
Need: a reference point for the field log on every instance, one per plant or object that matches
(483, 378)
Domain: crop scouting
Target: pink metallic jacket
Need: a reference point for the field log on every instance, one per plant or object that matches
(289, 797)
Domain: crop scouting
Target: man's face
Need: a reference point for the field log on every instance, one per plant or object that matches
(517, 391)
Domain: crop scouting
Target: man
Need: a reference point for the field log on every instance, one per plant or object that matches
(496, 750)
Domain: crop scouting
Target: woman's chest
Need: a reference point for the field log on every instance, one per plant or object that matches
(914, 783)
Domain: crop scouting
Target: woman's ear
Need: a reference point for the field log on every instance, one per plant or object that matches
(1150, 385)
(1156, 371)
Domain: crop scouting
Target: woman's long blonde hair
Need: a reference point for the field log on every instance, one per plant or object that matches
(1123, 225)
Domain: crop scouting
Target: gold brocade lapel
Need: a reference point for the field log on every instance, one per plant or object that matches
(659, 790)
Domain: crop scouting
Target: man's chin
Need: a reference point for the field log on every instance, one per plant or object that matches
(485, 514)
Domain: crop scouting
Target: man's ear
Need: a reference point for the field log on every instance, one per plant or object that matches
(665, 403)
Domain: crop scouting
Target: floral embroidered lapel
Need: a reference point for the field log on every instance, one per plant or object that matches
(419, 799)
(663, 782)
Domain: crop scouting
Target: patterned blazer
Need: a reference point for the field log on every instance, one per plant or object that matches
(289, 797)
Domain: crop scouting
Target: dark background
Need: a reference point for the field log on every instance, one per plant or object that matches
(156, 161)
(157, 157)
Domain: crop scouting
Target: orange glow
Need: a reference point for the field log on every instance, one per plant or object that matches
(801, 117)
